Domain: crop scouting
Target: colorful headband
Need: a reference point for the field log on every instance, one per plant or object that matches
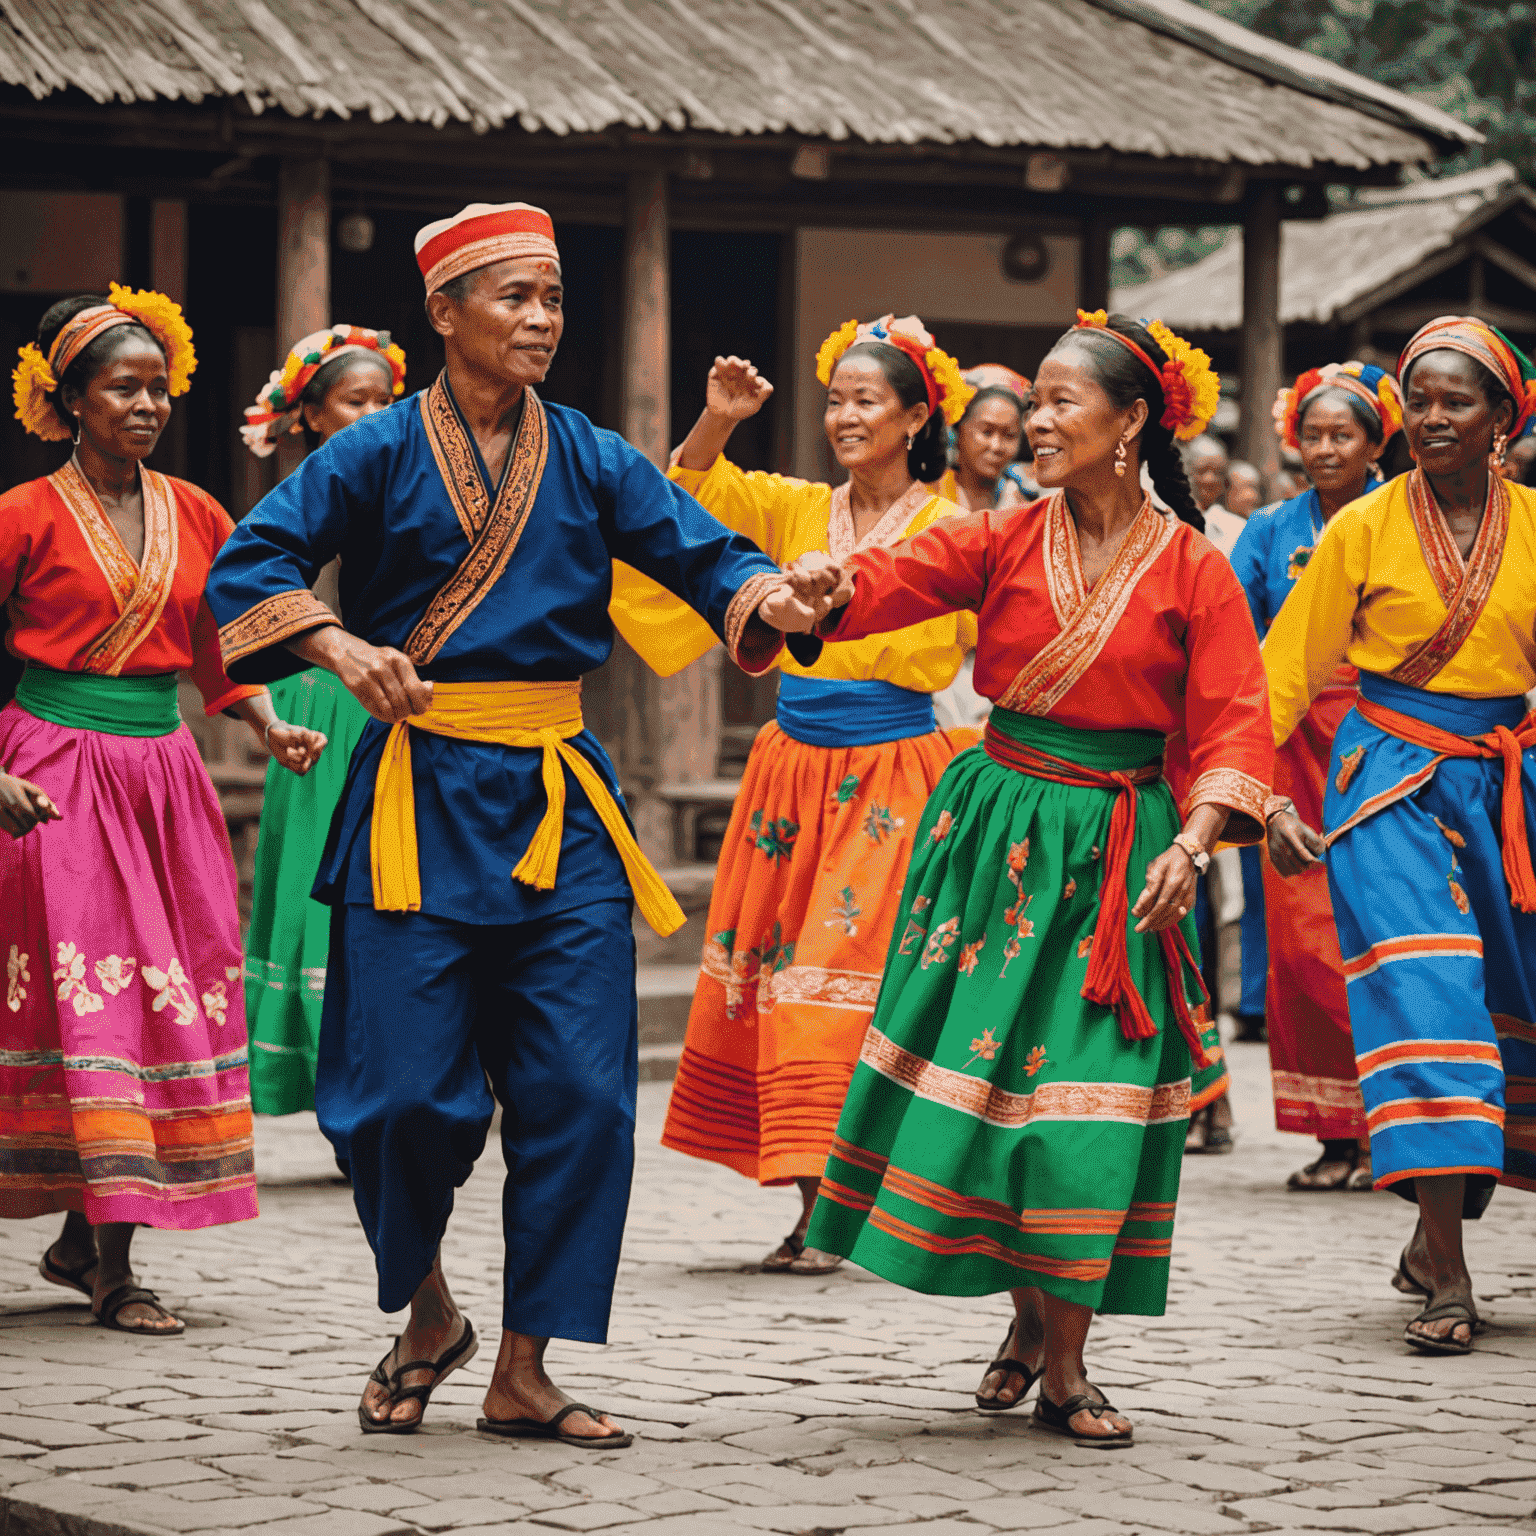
(995, 376)
(1191, 387)
(277, 402)
(1375, 386)
(480, 234)
(946, 385)
(36, 377)
(1485, 344)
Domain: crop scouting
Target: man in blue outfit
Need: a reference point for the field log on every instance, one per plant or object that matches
(480, 868)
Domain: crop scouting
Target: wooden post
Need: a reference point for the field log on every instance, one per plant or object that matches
(303, 264)
(1263, 343)
(1093, 263)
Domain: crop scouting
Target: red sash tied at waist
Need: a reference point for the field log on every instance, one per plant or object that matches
(1109, 982)
(1501, 742)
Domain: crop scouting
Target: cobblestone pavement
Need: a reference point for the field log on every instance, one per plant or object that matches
(1276, 1394)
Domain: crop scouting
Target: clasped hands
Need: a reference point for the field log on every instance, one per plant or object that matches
(811, 588)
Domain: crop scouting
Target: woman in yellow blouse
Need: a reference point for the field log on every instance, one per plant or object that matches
(813, 861)
(1428, 586)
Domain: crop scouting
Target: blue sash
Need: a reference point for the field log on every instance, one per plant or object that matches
(826, 712)
(1449, 711)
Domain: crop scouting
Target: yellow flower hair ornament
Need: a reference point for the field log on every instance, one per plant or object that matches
(31, 383)
(947, 388)
(162, 318)
(1191, 387)
(36, 377)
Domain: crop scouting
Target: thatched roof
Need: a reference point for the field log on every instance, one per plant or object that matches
(1145, 77)
(1329, 265)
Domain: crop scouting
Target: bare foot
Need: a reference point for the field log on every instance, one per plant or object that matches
(521, 1389)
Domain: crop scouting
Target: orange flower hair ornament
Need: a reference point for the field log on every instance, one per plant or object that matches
(276, 410)
(1375, 386)
(947, 388)
(36, 377)
(1191, 387)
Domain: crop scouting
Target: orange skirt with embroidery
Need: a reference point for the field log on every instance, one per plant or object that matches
(805, 897)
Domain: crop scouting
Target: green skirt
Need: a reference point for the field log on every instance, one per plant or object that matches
(290, 934)
(1000, 1130)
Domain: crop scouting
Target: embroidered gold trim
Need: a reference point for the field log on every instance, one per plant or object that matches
(272, 621)
(891, 529)
(813, 986)
(1232, 788)
(1322, 1092)
(139, 591)
(493, 531)
(739, 615)
(1464, 586)
(1044, 681)
(1063, 561)
(985, 1101)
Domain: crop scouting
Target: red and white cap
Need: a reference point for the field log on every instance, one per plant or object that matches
(480, 234)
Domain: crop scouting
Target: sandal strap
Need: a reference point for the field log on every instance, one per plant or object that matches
(1457, 1309)
(125, 1296)
(1008, 1363)
(568, 1410)
(796, 1246)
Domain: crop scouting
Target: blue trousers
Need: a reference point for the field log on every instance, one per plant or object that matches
(1441, 968)
(424, 1019)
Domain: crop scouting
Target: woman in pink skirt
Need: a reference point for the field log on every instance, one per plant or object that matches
(123, 1090)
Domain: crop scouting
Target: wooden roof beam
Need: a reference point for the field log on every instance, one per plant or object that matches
(1409, 317)
(1405, 282)
(1506, 260)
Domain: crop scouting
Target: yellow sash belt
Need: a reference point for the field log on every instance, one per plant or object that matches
(543, 715)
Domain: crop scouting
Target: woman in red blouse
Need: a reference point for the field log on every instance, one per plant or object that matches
(1016, 1121)
(123, 1086)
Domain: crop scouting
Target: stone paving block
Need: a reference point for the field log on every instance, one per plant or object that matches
(162, 1511)
(594, 1516)
(1381, 1521)
(153, 1474)
(809, 1517)
(273, 1469)
(333, 1522)
(1018, 1514)
(445, 1514)
(1479, 1502)
(676, 1501)
(54, 1432)
(508, 1486)
(377, 1498)
(711, 1524)
(607, 1482)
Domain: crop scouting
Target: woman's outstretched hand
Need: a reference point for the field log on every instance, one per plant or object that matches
(817, 578)
(296, 747)
(735, 389)
(1293, 845)
(23, 806)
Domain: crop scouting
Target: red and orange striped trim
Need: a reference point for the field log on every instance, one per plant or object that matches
(1413, 946)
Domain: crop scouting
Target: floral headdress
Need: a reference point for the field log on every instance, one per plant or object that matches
(277, 402)
(36, 377)
(1191, 387)
(996, 376)
(947, 388)
(1487, 345)
(1375, 386)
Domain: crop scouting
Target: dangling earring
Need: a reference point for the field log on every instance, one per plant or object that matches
(909, 442)
(1120, 458)
(75, 439)
(1500, 444)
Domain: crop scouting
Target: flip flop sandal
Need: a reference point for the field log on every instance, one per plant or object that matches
(1057, 1417)
(1449, 1345)
(1006, 1362)
(125, 1296)
(822, 1264)
(549, 1429)
(1404, 1280)
(1364, 1177)
(457, 1354)
(774, 1265)
(74, 1279)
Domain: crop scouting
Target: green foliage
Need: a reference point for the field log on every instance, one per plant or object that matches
(1473, 58)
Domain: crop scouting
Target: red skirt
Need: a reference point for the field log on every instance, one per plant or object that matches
(1311, 1048)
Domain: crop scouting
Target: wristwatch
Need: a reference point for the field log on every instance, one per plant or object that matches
(1197, 855)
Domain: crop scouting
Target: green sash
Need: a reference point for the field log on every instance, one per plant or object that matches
(88, 701)
(1104, 751)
